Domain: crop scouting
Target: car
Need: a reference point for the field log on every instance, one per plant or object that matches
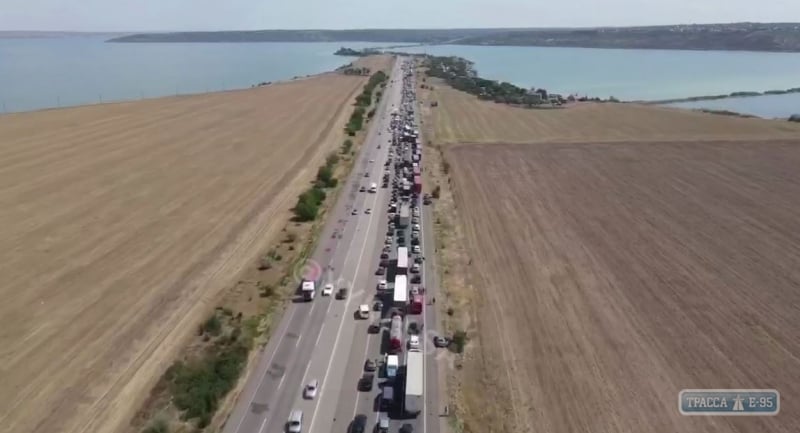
(383, 423)
(416, 279)
(387, 249)
(401, 241)
(367, 211)
(426, 201)
(374, 328)
(370, 366)
(378, 306)
(416, 227)
(415, 268)
(388, 240)
(440, 341)
(380, 271)
(342, 293)
(385, 255)
(295, 422)
(413, 329)
(371, 160)
(366, 174)
(354, 212)
(359, 424)
(415, 241)
(414, 220)
(417, 259)
(416, 250)
(413, 343)
(365, 382)
(327, 290)
(407, 428)
(382, 285)
(310, 391)
(362, 189)
(414, 290)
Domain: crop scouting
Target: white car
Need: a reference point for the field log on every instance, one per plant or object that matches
(367, 211)
(416, 227)
(310, 391)
(413, 343)
(415, 249)
(355, 212)
(295, 424)
(382, 285)
(327, 290)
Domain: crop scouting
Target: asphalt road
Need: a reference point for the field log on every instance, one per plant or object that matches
(322, 340)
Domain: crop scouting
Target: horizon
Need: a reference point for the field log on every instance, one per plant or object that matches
(400, 28)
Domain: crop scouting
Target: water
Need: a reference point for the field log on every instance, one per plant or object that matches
(45, 73)
(42, 73)
(630, 74)
(767, 106)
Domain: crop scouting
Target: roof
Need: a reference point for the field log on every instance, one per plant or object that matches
(400, 288)
(414, 367)
(402, 257)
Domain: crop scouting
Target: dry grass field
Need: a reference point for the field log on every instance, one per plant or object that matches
(463, 118)
(611, 276)
(121, 223)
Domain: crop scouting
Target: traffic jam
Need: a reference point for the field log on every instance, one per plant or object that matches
(399, 292)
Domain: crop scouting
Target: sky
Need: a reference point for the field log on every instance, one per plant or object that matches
(178, 15)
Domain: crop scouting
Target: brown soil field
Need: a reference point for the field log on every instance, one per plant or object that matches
(609, 276)
(463, 118)
(120, 224)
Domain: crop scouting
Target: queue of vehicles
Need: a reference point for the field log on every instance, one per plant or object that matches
(402, 393)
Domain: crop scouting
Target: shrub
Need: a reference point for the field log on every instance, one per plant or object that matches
(436, 191)
(305, 211)
(264, 264)
(794, 118)
(212, 325)
(332, 160)
(459, 341)
(158, 425)
(347, 146)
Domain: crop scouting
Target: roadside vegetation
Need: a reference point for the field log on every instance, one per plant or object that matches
(193, 393)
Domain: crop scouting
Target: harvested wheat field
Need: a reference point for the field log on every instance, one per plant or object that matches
(611, 276)
(463, 118)
(121, 223)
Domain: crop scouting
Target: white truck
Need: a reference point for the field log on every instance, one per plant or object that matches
(392, 365)
(404, 217)
(414, 383)
(402, 261)
(309, 289)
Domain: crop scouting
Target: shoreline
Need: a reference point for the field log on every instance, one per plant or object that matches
(732, 95)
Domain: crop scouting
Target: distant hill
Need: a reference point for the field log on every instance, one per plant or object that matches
(736, 36)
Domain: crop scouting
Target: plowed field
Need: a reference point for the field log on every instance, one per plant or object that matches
(611, 276)
(120, 224)
(463, 118)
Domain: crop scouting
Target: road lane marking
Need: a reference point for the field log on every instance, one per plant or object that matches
(299, 337)
(266, 370)
(338, 333)
(280, 384)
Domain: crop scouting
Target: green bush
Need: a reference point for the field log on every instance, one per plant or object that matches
(459, 341)
(346, 146)
(305, 211)
(212, 325)
(332, 160)
(158, 425)
(198, 386)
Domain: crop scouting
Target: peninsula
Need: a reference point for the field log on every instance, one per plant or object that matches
(774, 37)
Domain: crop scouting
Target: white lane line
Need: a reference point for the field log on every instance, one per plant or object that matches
(299, 337)
(261, 381)
(262, 425)
(280, 384)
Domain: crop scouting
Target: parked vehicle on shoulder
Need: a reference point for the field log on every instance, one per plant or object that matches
(440, 341)
(370, 366)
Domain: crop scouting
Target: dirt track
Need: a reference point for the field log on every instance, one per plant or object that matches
(121, 223)
(463, 118)
(611, 276)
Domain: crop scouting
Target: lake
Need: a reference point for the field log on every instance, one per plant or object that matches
(767, 106)
(45, 73)
(42, 73)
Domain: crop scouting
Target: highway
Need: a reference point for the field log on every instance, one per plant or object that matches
(322, 340)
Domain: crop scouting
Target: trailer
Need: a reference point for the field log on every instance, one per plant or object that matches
(400, 293)
(402, 261)
(404, 217)
(396, 334)
(414, 383)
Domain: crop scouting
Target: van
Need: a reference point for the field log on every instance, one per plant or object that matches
(295, 421)
(363, 311)
(383, 423)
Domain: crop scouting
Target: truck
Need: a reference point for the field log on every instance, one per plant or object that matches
(308, 288)
(415, 307)
(400, 293)
(404, 217)
(414, 383)
(396, 334)
(402, 261)
(417, 184)
(392, 365)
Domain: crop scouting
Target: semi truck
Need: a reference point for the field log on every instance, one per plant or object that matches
(309, 290)
(402, 261)
(404, 217)
(400, 294)
(414, 383)
(396, 334)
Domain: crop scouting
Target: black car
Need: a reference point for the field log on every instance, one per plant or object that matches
(416, 279)
(407, 428)
(365, 383)
(401, 241)
(415, 241)
(380, 271)
(374, 328)
(418, 259)
(342, 294)
(369, 365)
(385, 255)
(359, 424)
